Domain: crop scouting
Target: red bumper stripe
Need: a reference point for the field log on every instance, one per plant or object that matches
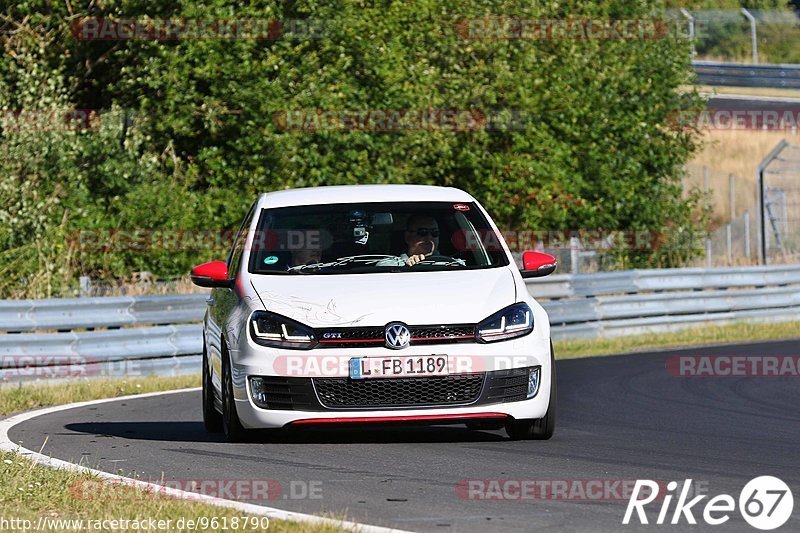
(399, 418)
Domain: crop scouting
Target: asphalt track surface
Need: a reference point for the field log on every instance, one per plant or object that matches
(620, 418)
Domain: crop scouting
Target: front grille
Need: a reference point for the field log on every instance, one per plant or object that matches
(437, 334)
(351, 337)
(369, 337)
(398, 392)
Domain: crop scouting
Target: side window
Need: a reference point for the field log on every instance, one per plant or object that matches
(235, 255)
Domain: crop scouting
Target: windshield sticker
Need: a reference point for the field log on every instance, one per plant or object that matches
(461, 207)
(270, 260)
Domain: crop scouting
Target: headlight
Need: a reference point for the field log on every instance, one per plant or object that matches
(269, 329)
(512, 322)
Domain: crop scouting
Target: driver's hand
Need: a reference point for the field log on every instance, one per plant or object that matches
(414, 259)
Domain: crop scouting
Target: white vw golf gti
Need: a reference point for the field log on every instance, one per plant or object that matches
(375, 304)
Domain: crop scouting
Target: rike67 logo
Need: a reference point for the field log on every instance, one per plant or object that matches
(765, 502)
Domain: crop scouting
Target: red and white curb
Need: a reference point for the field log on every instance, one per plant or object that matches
(270, 512)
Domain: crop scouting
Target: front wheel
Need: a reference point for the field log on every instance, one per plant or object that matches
(234, 431)
(539, 428)
(212, 419)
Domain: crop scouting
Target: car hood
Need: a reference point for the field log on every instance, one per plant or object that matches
(376, 299)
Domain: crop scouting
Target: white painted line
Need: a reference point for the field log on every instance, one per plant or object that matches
(270, 512)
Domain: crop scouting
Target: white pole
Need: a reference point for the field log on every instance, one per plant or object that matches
(753, 33)
(732, 188)
(747, 234)
(729, 244)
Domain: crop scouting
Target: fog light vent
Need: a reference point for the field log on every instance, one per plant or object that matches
(258, 391)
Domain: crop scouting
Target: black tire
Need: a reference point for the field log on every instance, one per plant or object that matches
(234, 431)
(539, 428)
(212, 419)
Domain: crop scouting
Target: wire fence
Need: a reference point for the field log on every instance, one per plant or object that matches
(733, 231)
(740, 231)
(747, 35)
(780, 176)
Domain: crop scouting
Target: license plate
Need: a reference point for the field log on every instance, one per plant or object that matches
(398, 366)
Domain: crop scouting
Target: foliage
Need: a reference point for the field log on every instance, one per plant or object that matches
(190, 130)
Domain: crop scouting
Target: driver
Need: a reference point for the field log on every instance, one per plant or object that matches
(310, 251)
(422, 240)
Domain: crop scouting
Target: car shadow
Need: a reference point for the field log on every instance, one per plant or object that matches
(195, 432)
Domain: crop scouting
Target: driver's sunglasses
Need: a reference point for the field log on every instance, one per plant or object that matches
(423, 232)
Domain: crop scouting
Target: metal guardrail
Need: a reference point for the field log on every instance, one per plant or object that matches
(160, 332)
(105, 312)
(746, 75)
(642, 301)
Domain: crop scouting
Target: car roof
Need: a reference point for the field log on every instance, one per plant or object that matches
(345, 194)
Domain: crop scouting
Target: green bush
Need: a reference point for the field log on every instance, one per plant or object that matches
(190, 130)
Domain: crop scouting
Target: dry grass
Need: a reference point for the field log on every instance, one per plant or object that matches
(147, 285)
(739, 151)
(745, 91)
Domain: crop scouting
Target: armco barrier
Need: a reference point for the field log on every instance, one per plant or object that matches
(149, 329)
(642, 301)
(747, 75)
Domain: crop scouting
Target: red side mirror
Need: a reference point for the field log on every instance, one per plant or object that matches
(537, 264)
(212, 274)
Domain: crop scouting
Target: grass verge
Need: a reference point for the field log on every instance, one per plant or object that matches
(28, 396)
(699, 336)
(50, 500)
(47, 500)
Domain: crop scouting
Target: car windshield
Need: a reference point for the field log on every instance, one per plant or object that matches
(374, 237)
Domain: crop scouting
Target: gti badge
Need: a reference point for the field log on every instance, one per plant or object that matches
(397, 336)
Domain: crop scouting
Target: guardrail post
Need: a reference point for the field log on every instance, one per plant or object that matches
(747, 234)
(574, 256)
(754, 36)
(729, 243)
(85, 286)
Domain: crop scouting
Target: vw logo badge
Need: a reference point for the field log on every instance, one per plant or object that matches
(397, 336)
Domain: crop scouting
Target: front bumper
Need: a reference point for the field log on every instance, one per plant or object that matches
(297, 370)
(296, 401)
